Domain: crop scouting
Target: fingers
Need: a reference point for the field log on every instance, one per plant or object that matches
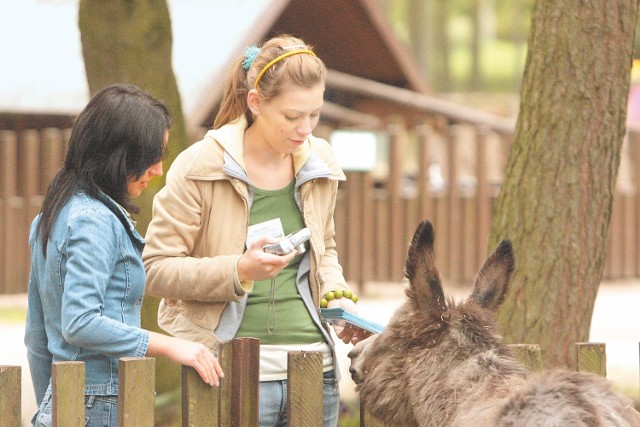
(208, 367)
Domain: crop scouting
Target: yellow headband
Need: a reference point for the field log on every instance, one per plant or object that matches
(284, 55)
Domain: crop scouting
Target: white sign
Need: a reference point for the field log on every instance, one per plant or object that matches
(354, 150)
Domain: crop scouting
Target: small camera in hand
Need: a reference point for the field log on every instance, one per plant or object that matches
(289, 243)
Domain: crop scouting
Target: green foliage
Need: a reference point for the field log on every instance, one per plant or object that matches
(501, 65)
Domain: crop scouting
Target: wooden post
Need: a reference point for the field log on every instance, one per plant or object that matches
(199, 400)
(452, 266)
(245, 382)
(8, 191)
(136, 397)
(304, 388)
(398, 243)
(591, 357)
(483, 201)
(52, 152)
(354, 219)
(529, 355)
(226, 383)
(10, 392)
(67, 380)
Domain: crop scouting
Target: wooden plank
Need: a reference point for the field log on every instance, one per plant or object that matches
(225, 357)
(67, 380)
(10, 392)
(420, 102)
(200, 401)
(528, 354)
(9, 164)
(52, 155)
(245, 382)
(483, 202)
(17, 245)
(136, 397)
(591, 357)
(382, 233)
(354, 226)
(397, 250)
(452, 266)
(304, 388)
(367, 214)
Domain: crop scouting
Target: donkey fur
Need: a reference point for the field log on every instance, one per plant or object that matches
(442, 363)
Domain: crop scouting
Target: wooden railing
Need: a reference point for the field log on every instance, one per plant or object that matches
(235, 402)
(377, 210)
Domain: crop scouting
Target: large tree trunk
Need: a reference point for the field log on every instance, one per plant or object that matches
(556, 200)
(130, 42)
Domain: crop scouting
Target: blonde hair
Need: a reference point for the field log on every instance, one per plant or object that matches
(304, 70)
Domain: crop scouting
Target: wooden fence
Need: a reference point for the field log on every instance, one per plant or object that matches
(377, 210)
(235, 402)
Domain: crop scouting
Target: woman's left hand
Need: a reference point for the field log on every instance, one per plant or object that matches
(349, 333)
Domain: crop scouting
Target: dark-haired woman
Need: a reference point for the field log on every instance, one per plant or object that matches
(87, 279)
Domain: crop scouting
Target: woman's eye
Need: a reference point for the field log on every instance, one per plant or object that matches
(291, 119)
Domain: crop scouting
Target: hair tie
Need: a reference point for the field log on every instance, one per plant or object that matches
(250, 54)
(284, 55)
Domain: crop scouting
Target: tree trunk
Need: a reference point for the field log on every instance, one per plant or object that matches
(556, 199)
(131, 42)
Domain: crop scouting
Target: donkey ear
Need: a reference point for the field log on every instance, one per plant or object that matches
(425, 286)
(492, 282)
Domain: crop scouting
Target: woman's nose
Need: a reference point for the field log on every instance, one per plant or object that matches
(156, 170)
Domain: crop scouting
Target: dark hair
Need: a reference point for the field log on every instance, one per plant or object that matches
(118, 135)
(300, 70)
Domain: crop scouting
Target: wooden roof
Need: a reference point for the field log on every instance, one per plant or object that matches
(350, 36)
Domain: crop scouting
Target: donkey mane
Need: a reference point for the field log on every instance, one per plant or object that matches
(443, 363)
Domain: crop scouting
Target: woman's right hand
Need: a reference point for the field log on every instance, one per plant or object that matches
(188, 353)
(255, 264)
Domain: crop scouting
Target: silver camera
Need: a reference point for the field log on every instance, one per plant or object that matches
(289, 243)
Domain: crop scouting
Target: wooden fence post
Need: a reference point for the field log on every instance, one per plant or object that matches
(245, 382)
(304, 388)
(591, 357)
(10, 393)
(200, 405)
(136, 397)
(67, 380)
(226, 383)
(529, 355)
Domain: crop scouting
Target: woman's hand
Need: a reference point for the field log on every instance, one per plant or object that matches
(188, 353)
(256, 264)
(349, 333)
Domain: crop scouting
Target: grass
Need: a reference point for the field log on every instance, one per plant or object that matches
(13, 315)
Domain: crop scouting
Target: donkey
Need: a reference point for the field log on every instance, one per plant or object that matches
(442, 363)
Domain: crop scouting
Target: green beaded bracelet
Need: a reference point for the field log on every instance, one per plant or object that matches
(331, 295)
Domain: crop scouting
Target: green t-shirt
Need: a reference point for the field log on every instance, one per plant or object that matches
(278, 317)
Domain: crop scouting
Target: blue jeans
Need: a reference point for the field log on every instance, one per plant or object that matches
(273, 402)
(100, 411)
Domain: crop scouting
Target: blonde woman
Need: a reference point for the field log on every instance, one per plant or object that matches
(258, 175)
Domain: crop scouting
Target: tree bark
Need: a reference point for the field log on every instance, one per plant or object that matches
(556, 200)
(131, 42)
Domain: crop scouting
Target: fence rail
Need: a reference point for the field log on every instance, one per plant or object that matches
(448, 172)
(235, 402)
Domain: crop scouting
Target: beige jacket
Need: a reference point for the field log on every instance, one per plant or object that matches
(199, 228)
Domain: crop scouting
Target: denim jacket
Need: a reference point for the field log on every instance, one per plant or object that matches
(85, 296)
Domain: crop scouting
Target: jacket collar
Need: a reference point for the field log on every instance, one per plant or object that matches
(311, 160)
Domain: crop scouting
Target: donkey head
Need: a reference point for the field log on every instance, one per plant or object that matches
(426, 351)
